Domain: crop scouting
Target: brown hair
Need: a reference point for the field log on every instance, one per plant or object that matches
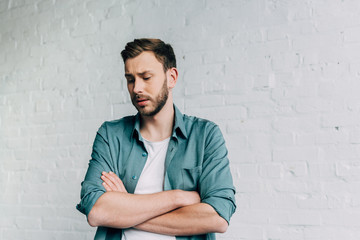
(164, 53)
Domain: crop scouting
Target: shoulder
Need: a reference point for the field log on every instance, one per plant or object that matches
(115, 126)
(199, 125)
(122, 122)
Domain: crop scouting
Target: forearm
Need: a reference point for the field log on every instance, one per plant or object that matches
(123, 210)
(195, 219)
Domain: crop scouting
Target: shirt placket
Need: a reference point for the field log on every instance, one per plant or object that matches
(173, 146)
(135, 165)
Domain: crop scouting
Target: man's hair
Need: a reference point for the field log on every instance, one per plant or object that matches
(164, 53)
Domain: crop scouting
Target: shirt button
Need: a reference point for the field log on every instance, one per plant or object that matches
(144, 154)
(134, 177)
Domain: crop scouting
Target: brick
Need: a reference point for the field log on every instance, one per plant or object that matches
(285, 201)
(217, 113)
(248, 171)
(340, 218)
(260, 109)
(331, 153)
(348, 169)
(81, 226)
(237, 98)
(12, 198)
(296, 169)
(258, 205)
(206, 73)
(283, 61)
(42, 118)
(294, 154)
(332, 136)
(284, 232)
(28, 223)
(316, 201)
(194, 88)
(330, 232)
(85, 26)
(73, 139)
(273, 170)
(305, 218)
(42, 106)
(44, 141)
(12, 234)
(37, 211)
(248, 186)
(61, 127)
(339, 120)
(120, 110)
(245, 231)
(113, 23)
(352, 35)
(204, 101)
(279, 216)
(301, 124)
(285, 139)
(290, 187)
(33, 199)
(249, 125)
(354, 137)
(3, 6)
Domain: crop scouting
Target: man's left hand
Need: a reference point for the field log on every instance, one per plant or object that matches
(112, 183)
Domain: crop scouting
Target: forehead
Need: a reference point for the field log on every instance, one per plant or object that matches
(145, 61)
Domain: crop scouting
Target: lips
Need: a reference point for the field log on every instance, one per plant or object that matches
(141, 101)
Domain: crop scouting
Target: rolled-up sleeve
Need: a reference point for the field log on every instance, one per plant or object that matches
(216, 184)
(91, 187)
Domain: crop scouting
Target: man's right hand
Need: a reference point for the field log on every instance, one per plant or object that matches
(118, 209)
(112, 183)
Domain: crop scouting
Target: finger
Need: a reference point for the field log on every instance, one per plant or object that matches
(119, 184)
(109, 182)
(107, 188)
(114, 182)
(114, 179)
(111, 177)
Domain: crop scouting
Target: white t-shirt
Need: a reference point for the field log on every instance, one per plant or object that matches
(151, 181)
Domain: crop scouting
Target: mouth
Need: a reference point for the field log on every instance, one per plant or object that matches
(141, 102)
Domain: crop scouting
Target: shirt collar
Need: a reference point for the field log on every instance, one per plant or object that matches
(179, 126)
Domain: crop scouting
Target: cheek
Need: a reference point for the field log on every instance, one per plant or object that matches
(130, 90)
(130, 87)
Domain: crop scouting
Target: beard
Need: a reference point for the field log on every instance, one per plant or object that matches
(158, 102)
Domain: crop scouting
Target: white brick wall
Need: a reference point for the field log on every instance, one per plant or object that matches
(281, 78)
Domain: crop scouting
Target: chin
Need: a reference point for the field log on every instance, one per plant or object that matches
(145, 112)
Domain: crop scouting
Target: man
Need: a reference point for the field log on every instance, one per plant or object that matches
(158, 174)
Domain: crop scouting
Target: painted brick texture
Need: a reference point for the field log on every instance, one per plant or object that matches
(281, 79)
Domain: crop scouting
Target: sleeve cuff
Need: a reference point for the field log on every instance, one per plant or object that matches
(224, 206)
(88, 202)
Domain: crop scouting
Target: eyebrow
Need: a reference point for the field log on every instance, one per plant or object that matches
(141, 74)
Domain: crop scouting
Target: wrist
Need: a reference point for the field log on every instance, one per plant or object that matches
(184, 198)
(178, 198)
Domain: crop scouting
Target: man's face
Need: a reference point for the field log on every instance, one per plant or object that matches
(147, 83)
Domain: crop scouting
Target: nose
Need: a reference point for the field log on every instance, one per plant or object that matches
(138, 86)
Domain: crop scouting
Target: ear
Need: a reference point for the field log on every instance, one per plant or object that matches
(172, 76)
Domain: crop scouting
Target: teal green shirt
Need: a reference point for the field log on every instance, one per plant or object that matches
(196, 160)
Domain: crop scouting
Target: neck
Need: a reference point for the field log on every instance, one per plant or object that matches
(158, 127)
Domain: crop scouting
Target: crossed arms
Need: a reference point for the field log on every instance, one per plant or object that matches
(174, 212)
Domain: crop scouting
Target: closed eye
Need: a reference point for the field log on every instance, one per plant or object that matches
(130, 80)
